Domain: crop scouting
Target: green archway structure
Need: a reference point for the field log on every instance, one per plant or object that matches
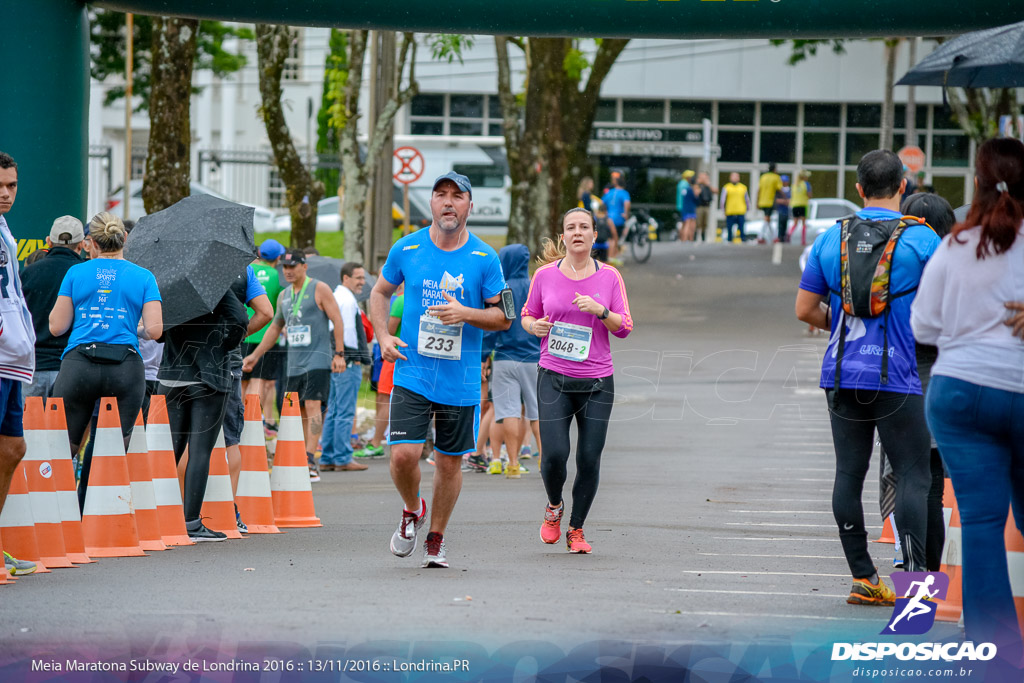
(44, 53)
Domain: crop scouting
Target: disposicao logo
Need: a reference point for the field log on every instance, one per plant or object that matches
(914, 614)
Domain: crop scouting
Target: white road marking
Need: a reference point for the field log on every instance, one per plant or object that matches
(783, 512)
(796, 557)
(789, 539)
(724, 571)
(815, 526)
(756, 615)
(798, 595)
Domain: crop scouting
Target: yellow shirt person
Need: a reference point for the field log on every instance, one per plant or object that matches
(767, 189)
(735, 198)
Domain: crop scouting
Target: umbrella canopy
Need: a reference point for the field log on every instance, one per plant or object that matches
(328, 270)
(195, 249)
(992, 58)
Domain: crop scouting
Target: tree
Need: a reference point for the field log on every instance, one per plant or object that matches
(302, 191)
(327, 135)
(168, 159)
(107, 38)
(547, 128)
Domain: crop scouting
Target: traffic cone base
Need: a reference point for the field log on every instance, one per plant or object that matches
(106, 531)
(887, 535)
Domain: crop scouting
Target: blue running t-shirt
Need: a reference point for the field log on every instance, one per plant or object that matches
(862, 355)
(470, 274)
(108, 295)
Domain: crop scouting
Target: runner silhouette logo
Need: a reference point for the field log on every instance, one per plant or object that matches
(914, 613)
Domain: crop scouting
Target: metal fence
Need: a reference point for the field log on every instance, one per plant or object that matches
(250, 175)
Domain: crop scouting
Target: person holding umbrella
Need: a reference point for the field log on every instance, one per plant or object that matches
(101, 301)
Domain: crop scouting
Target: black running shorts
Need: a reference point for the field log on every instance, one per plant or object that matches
(268, 366)
(411, 414)
(314, 385)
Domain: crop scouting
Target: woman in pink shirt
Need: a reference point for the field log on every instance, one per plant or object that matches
(573, 305)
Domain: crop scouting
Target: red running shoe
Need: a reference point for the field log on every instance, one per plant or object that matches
(551, 529)
(575, 541)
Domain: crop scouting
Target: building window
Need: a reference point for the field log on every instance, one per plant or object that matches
(859, 144)
(950, 150)
(276, 198)
(821, 148)
(920, 116)
(605, 111)
(778, 148)
(643, 111)
(454, 114)
(428, 105)
(735, 113)
(465, 128)
(737, 146)
(821, 115)
(467, 106)
(689, 112)
(864, 116)
(293, 62)
(426, 127)
(777, 114)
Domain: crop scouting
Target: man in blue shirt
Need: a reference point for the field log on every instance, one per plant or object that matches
(871, 394)
(453, 288)
(618, 202)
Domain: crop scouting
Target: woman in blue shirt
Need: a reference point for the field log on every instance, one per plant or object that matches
(102, 301)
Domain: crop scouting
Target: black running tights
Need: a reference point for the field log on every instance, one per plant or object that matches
(901, 426)
(195, 413)
(81, 383)
(557, 410)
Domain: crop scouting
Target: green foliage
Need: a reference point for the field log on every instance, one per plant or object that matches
(328, 141)
(448, 46)
(802, 49)
(575, 63)
(108, 50)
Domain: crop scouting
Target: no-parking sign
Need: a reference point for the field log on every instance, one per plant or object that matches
(408, 165)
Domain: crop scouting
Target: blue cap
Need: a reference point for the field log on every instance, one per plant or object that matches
(271, 250)
(460, 180)
(785, 178)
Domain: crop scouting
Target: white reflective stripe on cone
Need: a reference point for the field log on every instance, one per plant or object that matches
(108, 500)
(290, 479)
(67, 502)
(159, 434)
(255, 484)
(218, 489)
(252, 435)
(143, 496)
(167, 491)
(44, 507)
(37, 445)
(290, 429)
(17, 511)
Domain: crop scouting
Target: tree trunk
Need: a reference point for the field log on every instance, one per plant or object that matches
(302, 190)
(888, 105)
(547, 155)
(168, 160)
(977, 110)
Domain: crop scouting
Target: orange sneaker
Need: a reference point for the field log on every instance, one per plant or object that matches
(863, 592)
(575, 541)
(551, 529)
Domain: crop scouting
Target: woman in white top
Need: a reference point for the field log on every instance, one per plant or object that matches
(975, 402)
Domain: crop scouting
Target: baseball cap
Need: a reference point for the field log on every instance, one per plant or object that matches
(293, 258)
(460, 180)
(785, 178)
(69, 226)
(687, 174)
(271, 249)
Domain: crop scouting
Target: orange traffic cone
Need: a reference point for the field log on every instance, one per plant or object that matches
(887, 535)
(143, 496)
(218, 502)
(64, 480)
(42, 493)
(255, 503)
(289, 480)
(16, 523)
(107, 521)
(3, 574)
(166, 490)
(951, 608)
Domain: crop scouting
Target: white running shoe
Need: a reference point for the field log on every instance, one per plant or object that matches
(403, 541)
(434, 551)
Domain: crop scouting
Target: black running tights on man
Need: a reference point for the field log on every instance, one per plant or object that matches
(557, 410)
(195, 413)
(899, 419)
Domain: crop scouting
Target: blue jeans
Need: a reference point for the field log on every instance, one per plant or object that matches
(980, 433)
(738, 221)
(341, 411)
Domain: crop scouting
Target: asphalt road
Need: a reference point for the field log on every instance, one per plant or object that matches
(712, 522)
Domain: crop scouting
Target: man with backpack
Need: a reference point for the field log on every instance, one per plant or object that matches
(859, 283)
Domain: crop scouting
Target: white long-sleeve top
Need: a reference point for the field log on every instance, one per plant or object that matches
(960, 308)
(17, 334)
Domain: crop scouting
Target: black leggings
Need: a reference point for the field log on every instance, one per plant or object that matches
(81, 383)
(592, 411)
(195, 413)
(901, 426)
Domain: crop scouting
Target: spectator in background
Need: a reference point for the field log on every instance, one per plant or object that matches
(705, 195)
(618, 202)
(800, 197)
(686, 205)
(735, 203)
(782, 207)
(585, 193)
(341, 405)
(975, 403)
(767, 191)
(261, 381)
(41, 283)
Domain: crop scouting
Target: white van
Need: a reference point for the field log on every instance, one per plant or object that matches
(479, 158)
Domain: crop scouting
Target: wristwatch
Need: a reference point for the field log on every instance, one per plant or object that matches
(604, 315)
(339, 353)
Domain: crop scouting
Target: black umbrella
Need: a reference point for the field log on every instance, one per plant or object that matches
(991, 58)
(328, 270)
(195, 249)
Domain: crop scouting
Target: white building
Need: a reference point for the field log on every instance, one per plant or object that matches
(822, 115)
